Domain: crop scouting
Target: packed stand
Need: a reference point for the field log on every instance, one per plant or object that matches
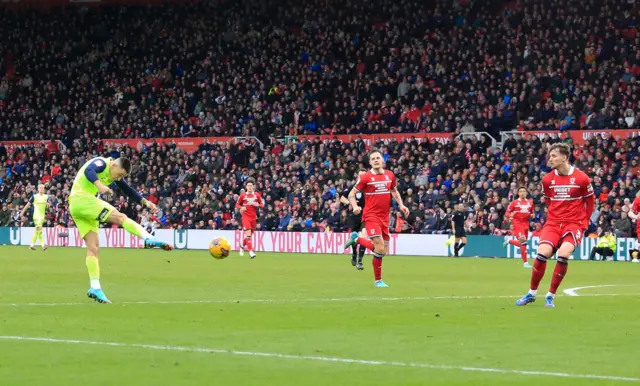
(302, 182)
(263, 67)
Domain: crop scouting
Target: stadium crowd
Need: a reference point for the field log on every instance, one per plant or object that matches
(271, 70)
(302, 182)
(265, 68)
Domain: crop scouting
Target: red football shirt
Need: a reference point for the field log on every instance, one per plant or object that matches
(377, 194)
(569, 198)
(636, 209)
(247, 200)
(521, 210)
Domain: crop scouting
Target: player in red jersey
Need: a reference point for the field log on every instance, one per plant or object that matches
(634, 214)
(520, 212)
(378, 186)
(569, 196)
(247, 204)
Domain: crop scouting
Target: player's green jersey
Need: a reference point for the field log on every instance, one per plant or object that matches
(39, 202)
(83, 187)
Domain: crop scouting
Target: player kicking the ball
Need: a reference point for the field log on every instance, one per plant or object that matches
(247, 204)
(88, 211)
(40, 202)
(378, 186)
(569, 196)
(520, 212)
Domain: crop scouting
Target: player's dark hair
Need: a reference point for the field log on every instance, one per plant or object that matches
(362, 169)
(522, 187)
(125, 163)
(250, 180)
(561, 148)
(373, 151)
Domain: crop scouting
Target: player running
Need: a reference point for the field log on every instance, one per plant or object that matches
(569, 196)
(520, 212)
(40, 202)
(354, 223)
(247, 204)
(88, 211)
(378, 186)
(634, 214)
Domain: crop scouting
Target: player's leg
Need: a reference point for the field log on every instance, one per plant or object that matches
(41, 237)
(550, 238)
(379, 251)
(244, 225)
(92, 241)
(461, 241)
(569, 242)
(248, 237)
(361, 251)
(83, 212)
(113, 216)
(34, 238)
(375, 231)
(521, 236)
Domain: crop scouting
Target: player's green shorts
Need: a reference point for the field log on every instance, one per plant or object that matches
(38, 221)
(88, 212)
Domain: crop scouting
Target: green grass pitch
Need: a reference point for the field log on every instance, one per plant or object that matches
(183, 318)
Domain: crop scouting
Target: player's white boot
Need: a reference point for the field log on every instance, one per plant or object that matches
(635, 261)
(241, 251)
(32, 247)
(252, 254)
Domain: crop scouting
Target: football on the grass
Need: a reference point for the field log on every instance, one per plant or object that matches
(220, 248)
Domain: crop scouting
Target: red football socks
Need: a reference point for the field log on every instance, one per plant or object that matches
(377, 266)
(539, 267)
(515, 242)
(248, 244)
(558, 274)
(365, 243)
(523, 252)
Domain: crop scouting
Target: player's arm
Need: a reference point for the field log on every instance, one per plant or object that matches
(509, 213)
(589, 201)
(360, 186)
(453, 224)
(353, 201)
(240, 204)
(91, 173)
(26, 207)
(396, 196)
(260, 200)
(134, 195)
(344, 200)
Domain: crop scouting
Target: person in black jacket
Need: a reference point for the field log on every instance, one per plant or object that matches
(457, 225)
(354, 223)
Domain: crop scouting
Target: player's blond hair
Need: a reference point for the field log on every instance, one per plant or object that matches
(561, 148)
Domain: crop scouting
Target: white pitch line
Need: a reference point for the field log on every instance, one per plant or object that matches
(574, 291)
(321, 358)
(303, 300)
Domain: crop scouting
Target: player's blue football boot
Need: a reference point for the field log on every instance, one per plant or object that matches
(98, 296)
(157, 243)
(380, 284)
(526, 299)
(352, 240)
(548, 302)
(526, 265)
